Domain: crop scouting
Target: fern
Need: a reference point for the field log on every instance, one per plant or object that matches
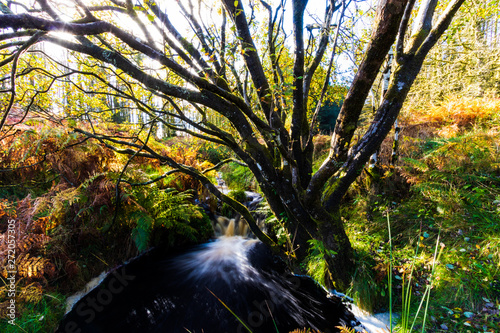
(165, 213)
(141, 233)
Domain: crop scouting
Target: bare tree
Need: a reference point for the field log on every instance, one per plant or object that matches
(266, 110)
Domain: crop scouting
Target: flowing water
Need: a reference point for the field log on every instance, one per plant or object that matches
(232, 284)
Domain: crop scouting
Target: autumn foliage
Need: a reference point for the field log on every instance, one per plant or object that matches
(61, 192)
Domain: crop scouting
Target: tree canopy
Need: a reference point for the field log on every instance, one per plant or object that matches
(248, 85)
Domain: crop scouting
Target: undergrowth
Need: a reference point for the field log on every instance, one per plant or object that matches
(451, 187)
(61, 191)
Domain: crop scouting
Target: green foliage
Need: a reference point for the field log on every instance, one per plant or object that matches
(238, 195)
(316, 262)
(368, 289)
(238, 177)
(466, 62)
(327, 116)
(37, 316)
(454, 193)
(213, 153)
(166, 217)
(67, 233)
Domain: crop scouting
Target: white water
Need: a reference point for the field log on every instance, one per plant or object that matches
(373, 323)
(71, 301)
(225, 258)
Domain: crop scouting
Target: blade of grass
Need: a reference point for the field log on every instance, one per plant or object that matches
(426, 296)
(436, 259)
(390, 272)
(277, 331)
(234, 314)
(407, 288)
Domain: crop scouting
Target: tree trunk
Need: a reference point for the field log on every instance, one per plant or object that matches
(341, 265)
(278, 156)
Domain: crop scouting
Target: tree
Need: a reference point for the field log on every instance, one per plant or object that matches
(466, 61)
(264, 102)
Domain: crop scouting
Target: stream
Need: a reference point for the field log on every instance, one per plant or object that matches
(231, 284)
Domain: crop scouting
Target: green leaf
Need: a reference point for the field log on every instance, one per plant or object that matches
(236, 4)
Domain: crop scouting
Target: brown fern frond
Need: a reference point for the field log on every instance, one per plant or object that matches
(42, 225)
(25, 211)
(34, 267)
(31, 293)
(31, 242)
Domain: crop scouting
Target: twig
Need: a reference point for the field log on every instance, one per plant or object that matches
(117, 188)
(218, 165)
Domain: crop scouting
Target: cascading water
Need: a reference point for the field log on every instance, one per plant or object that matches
(232, 284)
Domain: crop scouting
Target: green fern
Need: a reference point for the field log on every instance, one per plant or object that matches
(141, 233)
(166, 216)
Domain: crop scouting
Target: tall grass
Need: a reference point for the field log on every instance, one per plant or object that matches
(406, 313)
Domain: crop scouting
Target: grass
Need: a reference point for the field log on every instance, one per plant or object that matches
(453, 182)
(238, 177)
(41, 316)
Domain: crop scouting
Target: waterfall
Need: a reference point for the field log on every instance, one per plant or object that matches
(232, 284)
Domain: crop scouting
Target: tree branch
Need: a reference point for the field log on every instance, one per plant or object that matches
(218, 165)
(251, 57)
(117, 187)
(383, 36)
(422, 25)
(21, 50)
(402, 31)
(323, 43)
(299, 126)
(440, 27)
(326, 83)
(387, 113)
